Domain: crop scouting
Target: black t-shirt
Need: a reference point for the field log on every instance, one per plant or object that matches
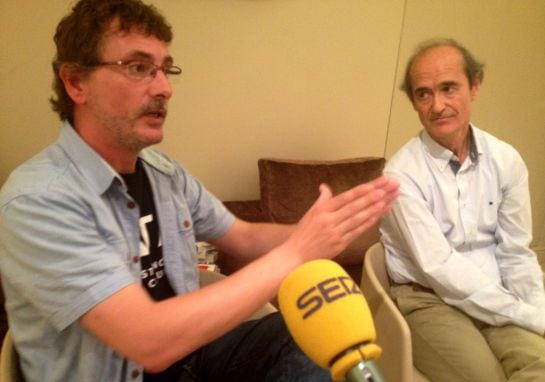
(154, 278)
(153, 274)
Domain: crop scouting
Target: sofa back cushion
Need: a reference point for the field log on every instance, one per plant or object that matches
(289, 187)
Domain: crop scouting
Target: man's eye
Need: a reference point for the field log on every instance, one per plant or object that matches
(139, 68)
(421, 95)
(449, 89)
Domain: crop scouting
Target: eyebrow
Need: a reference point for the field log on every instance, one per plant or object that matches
(138, 54)
(421, 89)
(448, 83)
(441, 85)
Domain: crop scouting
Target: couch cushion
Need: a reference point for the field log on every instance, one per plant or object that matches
(289, 187)
(248, 210)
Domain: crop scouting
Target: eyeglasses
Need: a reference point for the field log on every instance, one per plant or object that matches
(141, 70)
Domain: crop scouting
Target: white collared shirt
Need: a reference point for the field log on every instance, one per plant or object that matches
(466, 234)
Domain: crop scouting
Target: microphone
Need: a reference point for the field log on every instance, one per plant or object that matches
(329, 319)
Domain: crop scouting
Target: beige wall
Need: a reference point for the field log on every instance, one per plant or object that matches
(308, 79)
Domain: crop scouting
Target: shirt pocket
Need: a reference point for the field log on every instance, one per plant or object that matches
(185, 228)
(489, 213)
(184, 222)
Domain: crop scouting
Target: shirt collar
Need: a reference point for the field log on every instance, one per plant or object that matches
(474, 146)
(158, 161)
(99, 173)
(442, 156)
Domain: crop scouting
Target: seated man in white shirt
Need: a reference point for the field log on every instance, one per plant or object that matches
(457, 238)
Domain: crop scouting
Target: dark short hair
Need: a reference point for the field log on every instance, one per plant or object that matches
(474, 69)
(79, 36)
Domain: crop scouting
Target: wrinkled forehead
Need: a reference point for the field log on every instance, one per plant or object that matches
(437, 62)
(437, 57)
(133, 39)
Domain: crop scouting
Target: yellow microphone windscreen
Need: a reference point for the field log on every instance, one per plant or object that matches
(325, 311)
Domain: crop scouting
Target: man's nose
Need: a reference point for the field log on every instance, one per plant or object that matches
(438, 103)
(160, 86)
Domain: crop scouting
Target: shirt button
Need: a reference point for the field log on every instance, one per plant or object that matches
(135, 374)
(187, 224)
(131, 205)
(135, 259)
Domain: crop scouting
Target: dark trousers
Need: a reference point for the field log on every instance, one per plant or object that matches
(258, 351)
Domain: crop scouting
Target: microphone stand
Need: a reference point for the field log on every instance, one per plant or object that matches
(365, 371)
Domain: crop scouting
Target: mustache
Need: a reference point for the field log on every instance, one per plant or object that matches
(436, 116)
(156, 106)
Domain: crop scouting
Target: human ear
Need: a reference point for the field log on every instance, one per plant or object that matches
(475, 88)
(73, 82)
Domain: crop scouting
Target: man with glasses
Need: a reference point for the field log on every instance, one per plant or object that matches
(98, 231)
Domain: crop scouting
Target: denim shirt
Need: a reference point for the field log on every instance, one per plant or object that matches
(69, 238)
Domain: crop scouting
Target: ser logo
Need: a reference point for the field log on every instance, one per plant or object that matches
(325, 292)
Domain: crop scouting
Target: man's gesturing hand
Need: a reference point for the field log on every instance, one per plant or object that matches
(333, 222)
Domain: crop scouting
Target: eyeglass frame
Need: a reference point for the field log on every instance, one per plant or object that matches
(168, 69)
